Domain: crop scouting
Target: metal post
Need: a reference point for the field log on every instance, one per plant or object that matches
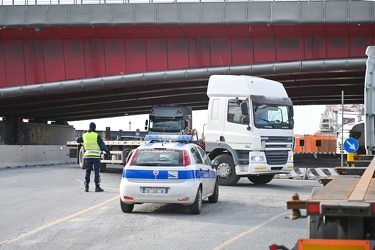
(342, 128)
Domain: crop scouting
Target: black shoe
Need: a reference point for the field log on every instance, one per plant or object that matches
(98, 188)
(86, 186)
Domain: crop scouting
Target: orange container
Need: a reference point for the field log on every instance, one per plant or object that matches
(318, 143)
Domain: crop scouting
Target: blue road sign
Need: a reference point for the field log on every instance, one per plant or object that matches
(351, 145)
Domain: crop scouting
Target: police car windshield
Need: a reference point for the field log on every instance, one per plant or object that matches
(158, 157)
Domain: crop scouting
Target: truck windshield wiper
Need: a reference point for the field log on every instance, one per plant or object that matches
(269, 122)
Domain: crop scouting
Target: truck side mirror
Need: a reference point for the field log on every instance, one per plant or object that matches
(244, 109)
(146, 125)
(246, 120)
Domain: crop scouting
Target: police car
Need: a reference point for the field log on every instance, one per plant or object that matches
(168, 169)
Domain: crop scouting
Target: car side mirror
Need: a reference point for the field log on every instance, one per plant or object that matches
(215, 163)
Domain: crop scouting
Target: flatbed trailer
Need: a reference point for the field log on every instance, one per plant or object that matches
(340, 213)
(120, 151)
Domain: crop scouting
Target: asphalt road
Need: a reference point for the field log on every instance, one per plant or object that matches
(46, 208)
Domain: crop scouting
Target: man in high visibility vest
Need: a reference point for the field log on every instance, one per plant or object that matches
(93, 144)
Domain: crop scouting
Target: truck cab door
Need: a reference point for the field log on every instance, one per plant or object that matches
(237, 122)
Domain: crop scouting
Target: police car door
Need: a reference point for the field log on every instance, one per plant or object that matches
(211, 178)
(202, 169)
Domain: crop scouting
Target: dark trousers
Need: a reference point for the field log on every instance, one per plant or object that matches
(92, 163)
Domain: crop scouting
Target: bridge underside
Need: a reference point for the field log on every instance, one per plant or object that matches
(91, 68)
(136, 93)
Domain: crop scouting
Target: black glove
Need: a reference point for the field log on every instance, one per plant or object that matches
(108, 156)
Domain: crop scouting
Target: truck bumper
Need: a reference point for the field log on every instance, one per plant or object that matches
(328, 244)
(258, 165)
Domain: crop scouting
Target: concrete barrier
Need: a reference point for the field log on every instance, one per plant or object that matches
(32, 155)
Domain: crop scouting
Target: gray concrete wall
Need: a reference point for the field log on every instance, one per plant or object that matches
(36, 134)
(31, 155)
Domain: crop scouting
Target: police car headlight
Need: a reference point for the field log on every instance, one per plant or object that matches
(257, 158)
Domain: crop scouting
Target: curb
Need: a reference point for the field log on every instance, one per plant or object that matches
(34, 164)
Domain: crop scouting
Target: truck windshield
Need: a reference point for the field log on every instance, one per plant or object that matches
(272, 116)
(174, 125)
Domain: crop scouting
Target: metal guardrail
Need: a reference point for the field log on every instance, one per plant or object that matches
(79, 2)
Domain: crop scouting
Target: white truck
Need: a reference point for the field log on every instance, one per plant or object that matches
(169, 119)
(165, 119)
(249, 128)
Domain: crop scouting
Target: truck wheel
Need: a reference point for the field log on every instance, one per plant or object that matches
(126, 208)
(196, 207)
(215, 196)
(103, 167)
(261, 179)
(81, 158)
(226, 170)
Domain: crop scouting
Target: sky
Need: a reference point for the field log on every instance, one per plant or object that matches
(306, 121)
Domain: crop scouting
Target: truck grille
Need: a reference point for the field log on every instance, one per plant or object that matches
(276, 157)
(277, 139)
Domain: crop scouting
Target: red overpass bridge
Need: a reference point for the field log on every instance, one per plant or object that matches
(68, 62)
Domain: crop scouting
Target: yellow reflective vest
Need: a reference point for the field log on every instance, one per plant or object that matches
(90, 143)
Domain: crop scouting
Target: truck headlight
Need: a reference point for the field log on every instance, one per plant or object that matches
(257, 158)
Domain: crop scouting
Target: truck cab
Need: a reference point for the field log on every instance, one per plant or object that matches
(249, 128)
(169, 119)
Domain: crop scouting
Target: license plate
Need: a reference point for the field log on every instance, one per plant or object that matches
(154, 190)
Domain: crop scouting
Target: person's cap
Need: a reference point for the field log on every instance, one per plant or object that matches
(92, 126)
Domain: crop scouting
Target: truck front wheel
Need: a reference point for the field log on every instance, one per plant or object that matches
(81, 158)
(226, 170)
(260, 179)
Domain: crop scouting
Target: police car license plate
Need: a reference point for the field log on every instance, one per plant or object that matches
(154, 190)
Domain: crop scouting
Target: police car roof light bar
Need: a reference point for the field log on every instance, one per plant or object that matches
(169, 138)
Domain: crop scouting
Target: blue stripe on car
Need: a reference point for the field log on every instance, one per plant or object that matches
(167, 174)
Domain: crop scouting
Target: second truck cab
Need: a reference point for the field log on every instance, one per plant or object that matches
(169, 119)
(249, 128)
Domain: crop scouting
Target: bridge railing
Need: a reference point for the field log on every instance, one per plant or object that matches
(74, 2)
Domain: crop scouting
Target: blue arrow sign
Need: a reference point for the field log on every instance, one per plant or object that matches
(351, 145)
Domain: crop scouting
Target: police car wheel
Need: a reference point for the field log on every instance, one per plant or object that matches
(215, 196)
(226, 170)
(126, 208)
(260, 179)
(196, 207)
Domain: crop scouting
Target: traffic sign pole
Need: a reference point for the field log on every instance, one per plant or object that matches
(349, 158)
